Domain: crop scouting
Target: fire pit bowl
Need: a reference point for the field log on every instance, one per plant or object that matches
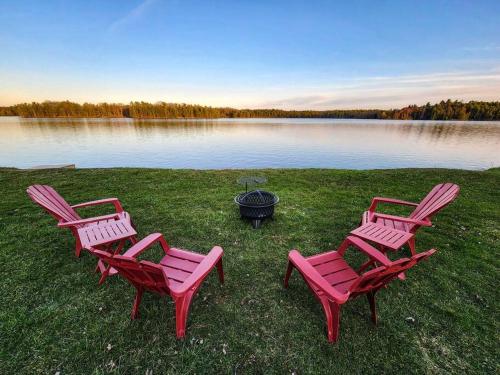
(256, 205)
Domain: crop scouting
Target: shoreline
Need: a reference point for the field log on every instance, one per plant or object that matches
(241, 118)
(72, 167)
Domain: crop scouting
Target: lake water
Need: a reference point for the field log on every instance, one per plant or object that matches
(249, 143)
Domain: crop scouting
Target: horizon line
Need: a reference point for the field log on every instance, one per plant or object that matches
(255, 108)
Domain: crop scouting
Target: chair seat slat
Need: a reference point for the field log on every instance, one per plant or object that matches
(323, 258)
(182, 264)
(186, 255)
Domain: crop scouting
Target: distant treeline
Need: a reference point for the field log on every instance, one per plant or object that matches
(445, 110)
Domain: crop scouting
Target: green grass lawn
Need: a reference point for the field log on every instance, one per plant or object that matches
(54, 316)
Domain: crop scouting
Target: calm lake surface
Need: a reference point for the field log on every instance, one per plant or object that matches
(249, 143)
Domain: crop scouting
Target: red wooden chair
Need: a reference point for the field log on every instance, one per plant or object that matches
(439, 197)
(334, 282)
(179, 274)
(67, 217)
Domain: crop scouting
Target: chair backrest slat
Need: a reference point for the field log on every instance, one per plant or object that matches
(52, 202)
(142, 273)
(440, 196)
(375, 279)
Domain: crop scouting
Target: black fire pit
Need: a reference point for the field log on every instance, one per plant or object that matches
(256, 205)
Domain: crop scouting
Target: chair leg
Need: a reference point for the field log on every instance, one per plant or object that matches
(411, 245)
(288, 273)
(181, 313)
(78, 243)
(78, 248)
(100, 266)
(332, 313)
(220, 271)
(371, 301)
(133, 224)
(118, 248)
(137, 302)
(104, 275)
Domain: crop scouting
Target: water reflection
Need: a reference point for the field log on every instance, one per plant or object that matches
(249, 143)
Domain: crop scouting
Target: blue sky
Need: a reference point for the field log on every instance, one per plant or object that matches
(285, 54)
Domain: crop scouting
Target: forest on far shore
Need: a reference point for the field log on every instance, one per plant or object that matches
(444, 110)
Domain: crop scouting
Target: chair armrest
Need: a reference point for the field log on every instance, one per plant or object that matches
(424, 223)
(366, 248)
(145, 244)
(67, 224)
(378, 200)
(114, 201)
(199, 273)
(309, 272)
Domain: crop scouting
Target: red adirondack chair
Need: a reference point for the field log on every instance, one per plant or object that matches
(67, 217)
(333, 282)
(439, 197)
(179, 274)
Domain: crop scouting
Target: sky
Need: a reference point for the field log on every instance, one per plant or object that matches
(250, 54)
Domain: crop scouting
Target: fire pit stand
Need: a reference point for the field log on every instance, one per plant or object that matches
(255, 205)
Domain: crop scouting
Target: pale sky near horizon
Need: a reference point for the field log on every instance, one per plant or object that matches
(281, 54)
